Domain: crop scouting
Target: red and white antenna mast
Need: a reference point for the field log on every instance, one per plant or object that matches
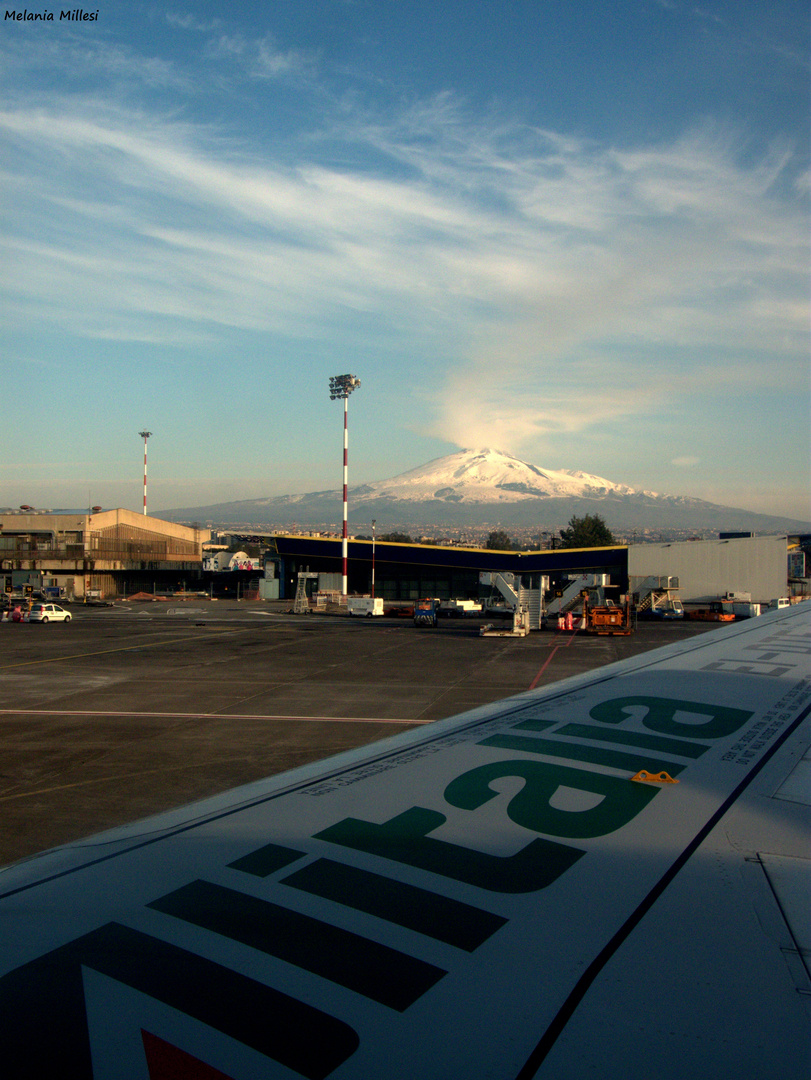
(144, 435)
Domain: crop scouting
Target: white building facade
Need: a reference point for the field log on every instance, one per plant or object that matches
(707, 569)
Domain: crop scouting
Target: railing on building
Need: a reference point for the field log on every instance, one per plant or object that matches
(102, 548)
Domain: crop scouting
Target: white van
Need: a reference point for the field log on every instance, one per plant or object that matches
(778, 603)
(365, 605)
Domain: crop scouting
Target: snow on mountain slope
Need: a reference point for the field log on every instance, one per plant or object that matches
(489, 476)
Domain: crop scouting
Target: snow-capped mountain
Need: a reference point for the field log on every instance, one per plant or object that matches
(488, 487)
(487, 476)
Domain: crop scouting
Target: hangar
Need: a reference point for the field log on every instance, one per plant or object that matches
(707, 569)
(700, 570)
(410, 571)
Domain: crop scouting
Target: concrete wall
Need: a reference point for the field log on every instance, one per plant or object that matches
(709, 568)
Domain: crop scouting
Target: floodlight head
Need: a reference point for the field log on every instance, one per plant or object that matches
(144, 434)
(341, 386)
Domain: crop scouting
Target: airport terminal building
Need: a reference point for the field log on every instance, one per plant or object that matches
(110, 553)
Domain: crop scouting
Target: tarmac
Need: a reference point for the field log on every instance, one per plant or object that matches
(137, 708)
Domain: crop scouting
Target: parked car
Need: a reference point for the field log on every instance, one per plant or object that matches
(48, 613)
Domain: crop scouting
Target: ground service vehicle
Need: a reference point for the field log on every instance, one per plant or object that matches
(365, 605)
(669, 609)
(716, 612)
(426, 612)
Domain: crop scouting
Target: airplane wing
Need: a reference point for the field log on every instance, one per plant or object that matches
(606, 877)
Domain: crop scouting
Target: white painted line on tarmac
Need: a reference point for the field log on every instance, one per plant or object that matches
(214, 716)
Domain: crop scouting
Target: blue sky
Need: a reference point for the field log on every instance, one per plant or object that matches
(574, 230)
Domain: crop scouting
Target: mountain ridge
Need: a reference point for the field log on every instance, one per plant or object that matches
(488, 486)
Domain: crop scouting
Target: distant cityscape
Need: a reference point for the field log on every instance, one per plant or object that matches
(523, 538)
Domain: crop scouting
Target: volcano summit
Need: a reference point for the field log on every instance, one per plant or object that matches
(488, 487)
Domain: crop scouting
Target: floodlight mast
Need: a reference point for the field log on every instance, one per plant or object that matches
(144, 435)
(340, 387)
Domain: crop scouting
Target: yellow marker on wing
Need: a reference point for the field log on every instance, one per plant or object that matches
(654, 778)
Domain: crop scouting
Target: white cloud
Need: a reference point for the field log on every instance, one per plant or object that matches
(271, 62)
(545, 285)
(72, 57)
(187, 21)
(260, 58)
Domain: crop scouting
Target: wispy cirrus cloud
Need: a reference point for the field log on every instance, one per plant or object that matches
(555, 279)
(185, 20)
(260, 58)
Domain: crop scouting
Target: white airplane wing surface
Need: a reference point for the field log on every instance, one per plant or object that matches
(609, 877)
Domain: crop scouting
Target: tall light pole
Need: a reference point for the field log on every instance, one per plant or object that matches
(373, 557)
(340, 387)
(144, 435)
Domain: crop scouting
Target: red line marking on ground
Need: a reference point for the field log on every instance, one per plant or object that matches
(535, 681)
(548, 661)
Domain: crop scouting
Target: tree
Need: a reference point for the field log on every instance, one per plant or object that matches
(396, 538)
(498, 540)
(585, 532)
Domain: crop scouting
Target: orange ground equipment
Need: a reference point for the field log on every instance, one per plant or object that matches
(716, 612)
(607, 619)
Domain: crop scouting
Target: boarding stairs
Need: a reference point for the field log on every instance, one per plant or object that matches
(654, 591)
(531, 601)
(526, 604)
(571, 594)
